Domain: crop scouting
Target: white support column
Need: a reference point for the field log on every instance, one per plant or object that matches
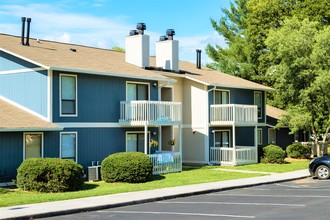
(146, 139)
(180, 140)
(234, 145)
(256, 141)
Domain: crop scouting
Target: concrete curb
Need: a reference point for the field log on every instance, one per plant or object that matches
(48, 209)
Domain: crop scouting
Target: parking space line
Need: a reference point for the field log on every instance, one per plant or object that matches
(281, 196)
(238, 203)
(178, 213)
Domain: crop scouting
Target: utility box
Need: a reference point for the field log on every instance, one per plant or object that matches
(94, 173)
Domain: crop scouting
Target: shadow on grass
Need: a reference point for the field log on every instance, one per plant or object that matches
(157, 177)
(90, 185)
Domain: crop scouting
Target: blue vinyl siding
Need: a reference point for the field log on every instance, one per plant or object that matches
(98, 97)
(27, 89)
(11, 154)
(9, 62)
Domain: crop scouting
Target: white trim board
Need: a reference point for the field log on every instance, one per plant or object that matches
(26, 70)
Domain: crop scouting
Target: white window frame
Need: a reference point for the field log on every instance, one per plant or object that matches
(221, 90)
(229, 138)
(60, 97)
(259, 137)
(269, 131)
(141, 83)
(136, 132)
(69, 132)
(42, 143)
(262, 106)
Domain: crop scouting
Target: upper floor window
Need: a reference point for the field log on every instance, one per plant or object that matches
(68, 94)
(137, 91)
(221, 97)
(33, 145)
(258, 103)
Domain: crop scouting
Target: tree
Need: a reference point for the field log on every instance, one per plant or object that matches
(300, 71)
(118, 49)
(234, 59)
(246, 26)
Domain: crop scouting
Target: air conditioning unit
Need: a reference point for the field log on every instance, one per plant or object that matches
(94, 173)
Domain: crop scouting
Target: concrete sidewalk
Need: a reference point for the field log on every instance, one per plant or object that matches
(48, 209)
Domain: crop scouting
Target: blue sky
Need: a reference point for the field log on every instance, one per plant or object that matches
(105, 23)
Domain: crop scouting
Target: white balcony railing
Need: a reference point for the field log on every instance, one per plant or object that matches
(233, 114)
(225, 155)
(166, 162)
(150, 113)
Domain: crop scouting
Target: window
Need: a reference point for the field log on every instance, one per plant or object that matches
(271, 136)
(222, 138)
(68, 149)
(33, 145)
(259, 136)
(137, 91)
(258, 103)
(221, 97)
(135, 142)
(68, 94)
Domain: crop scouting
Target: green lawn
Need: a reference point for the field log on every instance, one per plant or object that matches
(192, 176)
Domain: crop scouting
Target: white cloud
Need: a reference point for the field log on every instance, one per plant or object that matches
(52, 22)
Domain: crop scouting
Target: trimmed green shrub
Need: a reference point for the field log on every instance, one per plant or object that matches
(3, 190)
(299, 151)
(50, 175)
(273, 154)
(131, 167)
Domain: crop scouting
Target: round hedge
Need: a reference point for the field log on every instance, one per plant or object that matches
(131, 167)
(273, 154)
(298, 151)
(50, 175)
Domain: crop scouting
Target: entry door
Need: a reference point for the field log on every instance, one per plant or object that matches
(222, 138)
(166, 131)
(135, 142)
(137, 92)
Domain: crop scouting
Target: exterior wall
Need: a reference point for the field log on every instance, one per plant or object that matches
(11, 156)
(195, 123)
(98, 97)
(11, 148)
(283, 138)
(28, 89)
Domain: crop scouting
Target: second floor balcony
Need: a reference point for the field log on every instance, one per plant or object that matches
(139, 113)
(229, 114)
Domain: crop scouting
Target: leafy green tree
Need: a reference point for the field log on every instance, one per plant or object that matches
(118, 49)
(246, 26)
(234, 59)
(300, 71)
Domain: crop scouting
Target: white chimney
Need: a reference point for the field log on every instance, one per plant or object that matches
(137, 47)
(167, 52)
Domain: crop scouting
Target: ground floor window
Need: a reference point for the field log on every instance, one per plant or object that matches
(68, 149)
(271, 136)
(259, 136)
(222, 138)
(33, 145)
(135, 141)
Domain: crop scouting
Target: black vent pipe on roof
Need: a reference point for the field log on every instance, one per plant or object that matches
(198, 58)
(28, 32)
(23, 30)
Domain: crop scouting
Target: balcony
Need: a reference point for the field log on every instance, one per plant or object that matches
(240, 155)
(139, 113)
(230, 114)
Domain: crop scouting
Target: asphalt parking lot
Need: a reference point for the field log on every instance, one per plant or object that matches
(301, 199)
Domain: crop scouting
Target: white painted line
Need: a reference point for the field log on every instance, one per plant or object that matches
(179, 213)
(280, 196)
(239, 203)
